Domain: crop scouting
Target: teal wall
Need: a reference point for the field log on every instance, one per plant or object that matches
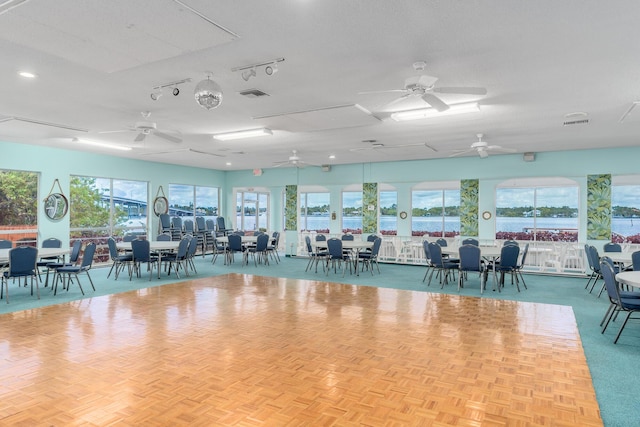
(55, 163)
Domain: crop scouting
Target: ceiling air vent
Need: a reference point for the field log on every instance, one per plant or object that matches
(253, 93)
(576, 122)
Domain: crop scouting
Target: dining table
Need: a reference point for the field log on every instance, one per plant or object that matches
(489, 253)
(157, 246)
(353, 245)
(42, 253)
(629, 278)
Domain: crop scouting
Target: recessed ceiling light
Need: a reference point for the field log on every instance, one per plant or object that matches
(333, 156)
(251, 133)
(228, 163)
(27, 74)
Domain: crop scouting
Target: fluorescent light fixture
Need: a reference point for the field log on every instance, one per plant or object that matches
(424, 113)
(243, 134)
(101, 144)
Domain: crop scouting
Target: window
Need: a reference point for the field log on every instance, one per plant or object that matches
(352, 212)
(436, 212)
(538, 209)
(252, 210)
(18, 206)
(388, 201)
(625, 209)
(102, 207)
(314, 212)
(189, 201)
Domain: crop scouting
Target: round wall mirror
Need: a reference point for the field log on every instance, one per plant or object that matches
(56, 206)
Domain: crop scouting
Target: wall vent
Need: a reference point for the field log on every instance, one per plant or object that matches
(576, 122)
(253, 93)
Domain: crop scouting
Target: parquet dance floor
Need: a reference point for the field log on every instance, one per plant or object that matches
(248, 350)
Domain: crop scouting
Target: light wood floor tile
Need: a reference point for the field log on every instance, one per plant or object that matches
(250, 351)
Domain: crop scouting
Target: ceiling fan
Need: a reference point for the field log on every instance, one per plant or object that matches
(145, 128)
(423, 86)
(379, 146)
(294, 160)
(483, 148)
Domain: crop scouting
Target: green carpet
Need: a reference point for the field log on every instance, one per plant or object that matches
(610, 364)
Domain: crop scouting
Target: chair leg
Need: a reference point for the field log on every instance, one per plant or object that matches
(622, 327)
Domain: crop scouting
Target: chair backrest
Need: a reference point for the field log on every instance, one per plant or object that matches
(347, 237)
(425, 246)
(164, 237)
(113, 248)
(376, 247)
(193, 247)
(587, 252)
(52, 242)
(22, 260)
(87, 256)
(524, 256)
(6, 244)
(183, 247)
(470, 241)
(321, 238)
(334, 246)
(165, 221)
(262, 242)
(75, 251)
(509, 257)
(188, 226)
(371, 238)
(470, 257)
(307, 241)
(235, 242)
(200, 225)
(275, 239)
(612, 247)
(442, 242)
(608, 261)
(595, 257)
(141, 250)
(176, 223)
(610, 283)
(210, 225)
(635, 260)
(238, 233)
(510, 243)
(220, 223)
(128, 238)
(435, 252)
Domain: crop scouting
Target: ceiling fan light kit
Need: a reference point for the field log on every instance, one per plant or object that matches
(251, 133)
(423, 113)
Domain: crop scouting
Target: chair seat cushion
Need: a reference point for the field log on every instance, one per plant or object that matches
(631, 303)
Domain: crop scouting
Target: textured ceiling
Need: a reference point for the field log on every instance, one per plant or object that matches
(97, 63)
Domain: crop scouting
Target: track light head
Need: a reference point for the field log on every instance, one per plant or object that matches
(247, 74)
(176, 91)
(156, 95)
(271, 69)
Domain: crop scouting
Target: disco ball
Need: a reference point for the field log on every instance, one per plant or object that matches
(208, 94)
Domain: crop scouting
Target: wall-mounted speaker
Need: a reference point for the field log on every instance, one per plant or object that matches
(529, 157)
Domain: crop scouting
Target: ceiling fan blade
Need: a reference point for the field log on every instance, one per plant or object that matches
(461, 90)
(118, 131)
(499, 148)
(168, 137)
(460, 153)
(435, 102)
(382, 91)
(205, 152)
(140, 137)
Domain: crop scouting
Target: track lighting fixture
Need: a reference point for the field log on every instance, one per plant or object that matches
(155, 95)
(248, 71)
(157, 90)
(176, 91)
(271, 69)
(247, 74)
